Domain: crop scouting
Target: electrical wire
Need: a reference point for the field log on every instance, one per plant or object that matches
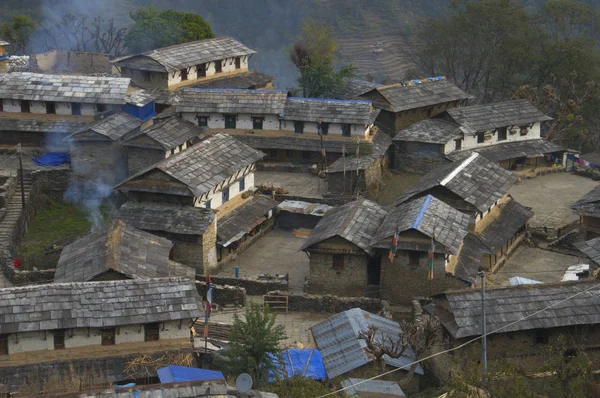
(465, 343)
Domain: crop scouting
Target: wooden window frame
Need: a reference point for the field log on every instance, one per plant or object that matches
(101, 107)
(75, 109)
(324, 128)
(27, 104)
(238, 62)
(200, 71)
(502, 134)
(346, 130)
(232, 118)
(258, 121)
(412, 255)
(524, 130)
(4, 344)
(1, 105)
(457, 144)
(225, 195)
(184, 74)
(208, 204)
(298, 127)
(218, 66)
(59, 339)
(337, 262)
(108, 335)
(50, 108)
(242, 184)
(205, 121)
(152, 331)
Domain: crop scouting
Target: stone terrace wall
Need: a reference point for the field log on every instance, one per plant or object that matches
(332, 304)
(223, 295)
(53, 181)
(254, 286)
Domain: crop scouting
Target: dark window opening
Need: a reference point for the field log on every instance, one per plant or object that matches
(502, 134)
(299, 127)
(25, 106)
(257, 123)
(201, 70)
(242, 184)
(523, 131)
(541, 336)
(338, 262)
(184, 74)
(59, 339)
(413, 257)
(75, 108)
(3, 344)
(225, 195)
(101, 108)
(273, 153)
(480, 138)
(457, 144)
(306, 155)
(230, 121)
(324, 128)
(51, 108)
(289, 154)
(151, 332)
(218, 66)
(208, 204)
(346, 129)
(1, 105)
(108, 336)
(202, 121)
(147, 76)
(238, 62)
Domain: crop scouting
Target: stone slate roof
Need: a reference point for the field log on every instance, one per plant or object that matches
(431, 217)
(244, 218)
(434, 131)
(168, 132)
(247, 80)
(405, 97)
(140, 97)
(204, 165)
(113, 127)
(381, 388)
(149, 216)
(213, 100)
(353, 88)
(37, 126)
(117, 247)
(328, 110)
(97, 304)
(510, 150)
(512, 218)
(337, 338)
(589, 204)
(469, 258)
(179, 56)
(508, 304)
(295, 143)
(476, 180)
(379, 146)
(63, 88)
(485, 117)
(590, 248)
(357, 222)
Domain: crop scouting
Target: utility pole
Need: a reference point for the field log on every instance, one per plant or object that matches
(21, 175)
(483, 334)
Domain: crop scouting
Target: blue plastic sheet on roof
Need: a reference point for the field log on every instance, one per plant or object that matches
(53, 159)
(306, 363)
(172, 374)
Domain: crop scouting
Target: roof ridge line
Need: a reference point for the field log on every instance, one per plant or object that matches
(460, 168)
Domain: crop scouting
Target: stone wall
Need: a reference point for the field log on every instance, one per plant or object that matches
(99, 161)
(254, 286)
(21, 277)
(209, 246)
(8, 187)
(223, 295)
(332, 304)
(416, 164)
(349, 281)
(70, 61)
(53, 181)
(139, 159)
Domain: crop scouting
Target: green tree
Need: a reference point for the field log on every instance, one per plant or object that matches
(571, 368)
(19, 32)
(254, 346)
(154, 28)
(314, 54)
(297, 387)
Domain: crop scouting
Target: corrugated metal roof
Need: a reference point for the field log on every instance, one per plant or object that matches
(341, 348)
(379, 388)
(307, 208)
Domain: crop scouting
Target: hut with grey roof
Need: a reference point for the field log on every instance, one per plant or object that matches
(403, 104)
(191, 229)
(165, 137)
(588, 208)
(523, 321)
(187, 63)
(118, 251)
(86, 318)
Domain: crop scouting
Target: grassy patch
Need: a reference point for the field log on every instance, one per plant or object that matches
(394, 184)
(57, 222)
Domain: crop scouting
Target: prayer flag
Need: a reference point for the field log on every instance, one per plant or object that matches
(394, 246)
(431, 258)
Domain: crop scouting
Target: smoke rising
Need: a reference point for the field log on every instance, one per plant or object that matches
(89, 195)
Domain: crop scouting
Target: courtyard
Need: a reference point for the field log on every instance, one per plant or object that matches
(551, 197)
(296, 184)
(274, 253)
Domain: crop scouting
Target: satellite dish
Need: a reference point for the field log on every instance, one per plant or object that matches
(243, 382)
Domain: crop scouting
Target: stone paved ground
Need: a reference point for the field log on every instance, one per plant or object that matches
(274, 253)
(297, 324)
(297, 184)
(551, 197)
(537, 264)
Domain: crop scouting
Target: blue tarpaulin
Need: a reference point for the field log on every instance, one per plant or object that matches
(172, 374)
(306, 363)
(53, 159)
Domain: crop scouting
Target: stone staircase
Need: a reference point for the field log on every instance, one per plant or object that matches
(7, 225)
